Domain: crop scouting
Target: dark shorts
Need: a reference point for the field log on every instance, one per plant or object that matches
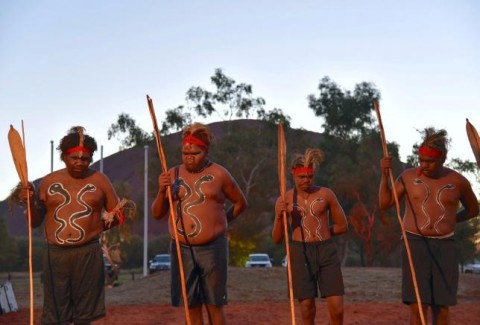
(74, 284)
(205, 273)
(436, 269)
(315, 265)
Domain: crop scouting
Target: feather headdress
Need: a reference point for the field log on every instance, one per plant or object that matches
(435, 139)
(311, 158)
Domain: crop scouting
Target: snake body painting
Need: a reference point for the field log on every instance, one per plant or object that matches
(201, 199)
(301, 211)
(312, 212)
(58, 189)
(437, 200)
(81, 214)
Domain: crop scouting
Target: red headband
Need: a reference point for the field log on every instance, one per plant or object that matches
(194, 140)
(79, 148)
(301, 170)
(430, 152)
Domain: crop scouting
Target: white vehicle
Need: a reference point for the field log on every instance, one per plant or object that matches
(258, 260)
(473, 267)
(159, 263)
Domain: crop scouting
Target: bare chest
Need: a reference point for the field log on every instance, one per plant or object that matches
(434, 193)
(198, 190)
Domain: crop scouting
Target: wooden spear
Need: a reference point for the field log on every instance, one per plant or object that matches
(397, 206)
(172, 210)
(474, 140)
(282, 155)
(17, 148)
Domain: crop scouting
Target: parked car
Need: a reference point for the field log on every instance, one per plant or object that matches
(159, 262)
(473, 267)
(258, 260)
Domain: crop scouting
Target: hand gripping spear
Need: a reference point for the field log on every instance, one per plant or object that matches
(172, 211)
(17, 148)
(282, 154)
(397, 205)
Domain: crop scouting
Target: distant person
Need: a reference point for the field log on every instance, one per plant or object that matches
(315, 264)
(70, 202)
(433, 194)
(200, 189)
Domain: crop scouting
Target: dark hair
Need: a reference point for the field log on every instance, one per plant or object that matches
(311, 158)
(436, 139)
(75, 137)
(199, 131)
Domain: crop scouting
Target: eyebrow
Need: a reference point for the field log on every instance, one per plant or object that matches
(82, 158)
(191, 153)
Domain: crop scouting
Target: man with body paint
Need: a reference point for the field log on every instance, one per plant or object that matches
(432, 194)
(72, 202)
(315, 264)
(200, 189)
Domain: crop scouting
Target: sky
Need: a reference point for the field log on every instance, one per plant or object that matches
(67, 63)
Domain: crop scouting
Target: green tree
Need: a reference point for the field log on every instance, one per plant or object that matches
(229, 100)
(134, 135)
(248, 165)
(353, 150)
(346, 114)
(235, 100)
(132, 252)
(22, 260)
(8, 249)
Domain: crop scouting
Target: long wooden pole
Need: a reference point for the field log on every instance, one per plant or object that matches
(282, 154)
(397, 206)
(172, 211)
(19, 155)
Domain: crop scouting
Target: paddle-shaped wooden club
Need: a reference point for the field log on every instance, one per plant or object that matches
(172, 210)
(19, 155)
(282, 156)
(474, 140)
(397, 206)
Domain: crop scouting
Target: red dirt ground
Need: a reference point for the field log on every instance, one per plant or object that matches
(258, 296)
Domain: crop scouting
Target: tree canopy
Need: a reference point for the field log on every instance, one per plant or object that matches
(350, 140)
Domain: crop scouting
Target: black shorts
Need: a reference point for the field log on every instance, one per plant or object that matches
(436, 269)
(315, 265)
(74, 284)
(205, 270)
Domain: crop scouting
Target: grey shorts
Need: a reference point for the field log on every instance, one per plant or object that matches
(205, 270)
(74, 284)
(315, 265)
(436, 269)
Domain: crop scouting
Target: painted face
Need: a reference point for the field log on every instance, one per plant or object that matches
(430, 166)
(193, 157)
(303, 181)
(77, 163)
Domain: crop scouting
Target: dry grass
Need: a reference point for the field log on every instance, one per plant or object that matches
(247, 285)
(257, 296)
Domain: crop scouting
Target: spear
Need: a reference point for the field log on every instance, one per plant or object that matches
(17, 148)
(474, 140)
(172, 212)
(397, 206)
(282, 154)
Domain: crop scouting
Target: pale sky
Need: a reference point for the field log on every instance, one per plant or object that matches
(66, 63)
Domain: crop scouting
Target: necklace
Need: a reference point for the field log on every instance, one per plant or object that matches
(305, 198)
(207, 163)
